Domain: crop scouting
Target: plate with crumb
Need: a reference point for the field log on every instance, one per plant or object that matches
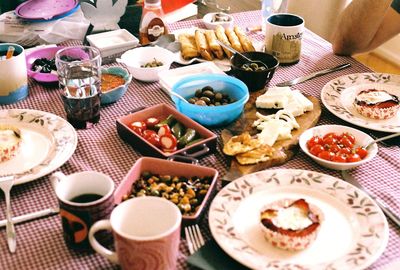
(34, 143)
(297, 219)
(369, 100)
(201, 45)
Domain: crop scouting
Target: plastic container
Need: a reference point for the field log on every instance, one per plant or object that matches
(211, 116)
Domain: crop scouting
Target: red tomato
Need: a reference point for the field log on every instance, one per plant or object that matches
(330, 140)
(362, 152)
(313, 141)
(168, 141)
(344, 151)
(330, 134)
(353, 157)
(334, 148)
(339, 158)
(154, 140)
(163, 130)
(151, 122)
(345, 141)
(316, 149)
(350, 137)
(326, 155)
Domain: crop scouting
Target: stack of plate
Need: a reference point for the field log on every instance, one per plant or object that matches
(46, 10)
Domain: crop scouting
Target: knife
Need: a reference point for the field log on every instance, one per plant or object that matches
(389, 213)
(313, 75)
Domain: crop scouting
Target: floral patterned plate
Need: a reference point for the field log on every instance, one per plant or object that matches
(338, 96)
(48, 141)
(353, 234)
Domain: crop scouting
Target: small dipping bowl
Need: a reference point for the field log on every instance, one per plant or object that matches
(115, 93)
(255, 80)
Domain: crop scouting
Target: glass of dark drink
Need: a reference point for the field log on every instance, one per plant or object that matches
(79, 75)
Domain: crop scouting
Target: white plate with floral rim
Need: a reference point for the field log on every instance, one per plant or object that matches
(338, 96)
(48, 141)
(353, 234)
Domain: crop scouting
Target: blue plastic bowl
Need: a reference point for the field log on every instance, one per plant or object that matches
(116, 93)
(214, 116)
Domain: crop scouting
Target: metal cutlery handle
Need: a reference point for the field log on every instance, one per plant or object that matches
(10, 229)
(389, 213)
(325, 71)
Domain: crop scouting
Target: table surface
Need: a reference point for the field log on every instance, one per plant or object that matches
(40, 243)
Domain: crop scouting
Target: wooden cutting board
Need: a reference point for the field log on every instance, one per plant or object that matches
(284, 149)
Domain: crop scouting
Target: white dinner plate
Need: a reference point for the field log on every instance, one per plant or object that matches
(353, 234)
(338, 96)
(48, 141)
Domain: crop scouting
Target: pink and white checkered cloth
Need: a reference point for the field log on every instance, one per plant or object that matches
(40, 243)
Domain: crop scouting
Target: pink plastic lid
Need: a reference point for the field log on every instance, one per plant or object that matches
(44, 9)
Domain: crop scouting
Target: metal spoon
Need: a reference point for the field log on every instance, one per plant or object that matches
(382, 139)
(178, 96)
(6, 183)
(167, 42)
(258, 62)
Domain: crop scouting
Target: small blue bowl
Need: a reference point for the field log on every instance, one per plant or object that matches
(211, 116)
(116, 93)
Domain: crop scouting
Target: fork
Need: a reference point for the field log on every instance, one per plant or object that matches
(6, 184)
(194, 238)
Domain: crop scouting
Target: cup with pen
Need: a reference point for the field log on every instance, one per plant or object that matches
(79, 76)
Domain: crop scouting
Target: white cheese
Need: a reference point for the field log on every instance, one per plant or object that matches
(291, 218)
(305, 102)
(270, 132)
(272, 102)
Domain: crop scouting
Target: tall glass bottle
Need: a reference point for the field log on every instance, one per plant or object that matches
(152, 25)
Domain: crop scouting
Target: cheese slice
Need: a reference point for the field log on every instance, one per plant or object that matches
(303, 101)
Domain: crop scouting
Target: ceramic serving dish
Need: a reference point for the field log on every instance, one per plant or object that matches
(213, 19)
(171, 168)
(116, 93)
(361, 139)
(204, 146)
(45, 52)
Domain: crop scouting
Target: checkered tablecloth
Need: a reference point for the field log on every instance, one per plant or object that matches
(40, 243)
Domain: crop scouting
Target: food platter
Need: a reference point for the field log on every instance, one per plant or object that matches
(353, 234)
(223, 64)
(48, 141)
(338, 96)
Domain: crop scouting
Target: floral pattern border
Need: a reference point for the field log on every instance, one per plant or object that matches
(63, 134)
(373, 234)
(330, 96)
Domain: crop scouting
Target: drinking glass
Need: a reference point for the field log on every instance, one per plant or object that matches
(79, 76)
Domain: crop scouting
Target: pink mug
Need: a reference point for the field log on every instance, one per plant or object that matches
(146, 234)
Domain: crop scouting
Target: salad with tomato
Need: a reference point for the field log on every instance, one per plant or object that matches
(336, 147)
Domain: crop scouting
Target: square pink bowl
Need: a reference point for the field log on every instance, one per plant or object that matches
(173, 168)
(161, 111)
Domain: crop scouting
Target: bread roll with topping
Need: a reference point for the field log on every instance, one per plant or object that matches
(202, 45)
(214, 46)
(246, 43)
(188, 46)
(221, 36)
(233, 39)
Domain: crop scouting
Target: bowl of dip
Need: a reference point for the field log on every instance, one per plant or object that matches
(114, 83)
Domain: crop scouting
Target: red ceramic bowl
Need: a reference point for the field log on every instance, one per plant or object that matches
(162, 111)
(48, 53)
(166, 167)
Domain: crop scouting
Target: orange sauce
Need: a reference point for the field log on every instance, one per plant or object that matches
(110, 81)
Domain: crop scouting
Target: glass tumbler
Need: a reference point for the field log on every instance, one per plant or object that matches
(79, 76)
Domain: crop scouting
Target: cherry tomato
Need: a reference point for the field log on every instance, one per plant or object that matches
(344, 151)
(334, 148)
(330, 134)
(316, 149)
(168, 141)
(151, 122)
(326, 155)
(339, 158)
(137, 130)
(345, 141)
(148, 133)
(154, 140)
(163, 130)
(330, 140)
(353, 157)
(139, 124)
(350, 137)
(313, 141)
(362, 152)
